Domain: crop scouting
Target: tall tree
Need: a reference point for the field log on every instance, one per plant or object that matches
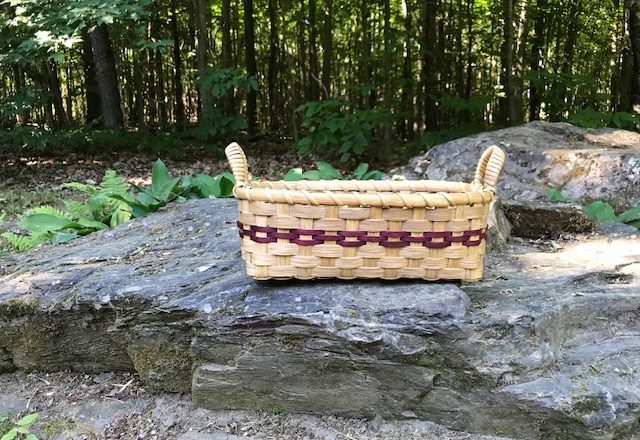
(178, 90)
(506, 62)
(272, 73)
(92, 95)
(202, 16)
(252, 69)
(536, 87)
(327, 47)
(429, 63)
(107, 78)
(634, 34)
(314, 73)
(406, 122)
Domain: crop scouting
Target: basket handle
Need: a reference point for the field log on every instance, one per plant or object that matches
(489, 168)
(238, 163)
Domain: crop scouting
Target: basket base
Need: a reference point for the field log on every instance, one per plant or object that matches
(446, 274)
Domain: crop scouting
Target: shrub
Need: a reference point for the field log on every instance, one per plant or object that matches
(325, 171)
(331, 128)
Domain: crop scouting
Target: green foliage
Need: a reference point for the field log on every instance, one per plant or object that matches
(83, 138)
(20, 429)
(164, 190)
(433, 138)
(112, 203)
(556, 196)
(325, 171)
(24, 100)
(601, 211)
(330, 128)
(100, 203)
(589, 118)
(221, 82)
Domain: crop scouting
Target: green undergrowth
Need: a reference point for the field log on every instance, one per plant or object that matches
(599, 210)
(109, 204)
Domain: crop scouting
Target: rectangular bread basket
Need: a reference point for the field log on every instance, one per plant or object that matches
(431, 230)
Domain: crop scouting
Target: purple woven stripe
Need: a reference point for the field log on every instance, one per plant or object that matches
(310, 232)
(266, 229)
(352, 233)
(390, 239)
(346, 243)
(373, 238)
(395, 234)
(327, 237)
(285, 235)
(443, 234)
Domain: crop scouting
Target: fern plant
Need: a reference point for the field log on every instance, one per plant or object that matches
(101, 205)
(112, 203)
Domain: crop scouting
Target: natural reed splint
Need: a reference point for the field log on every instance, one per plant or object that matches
(364, 229)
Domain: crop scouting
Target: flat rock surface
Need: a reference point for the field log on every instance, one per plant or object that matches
(547, 346)
(66, 405)
(585, 164)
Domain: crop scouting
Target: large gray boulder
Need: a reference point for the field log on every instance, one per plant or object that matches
(545, 347)
(584, 164)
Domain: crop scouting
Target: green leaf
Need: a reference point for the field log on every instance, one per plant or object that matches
(159, 176)
(630, 215)
(600, 211)
(373, 175)
(63, 237)
(294, 174)
(206, 184)
(43, 223)
(327, 171)
(119, 216)
(93, 224)
(31, 436)
(10, 435)
(311, 175)
(556, 196)
(361, 170)
(223, 186)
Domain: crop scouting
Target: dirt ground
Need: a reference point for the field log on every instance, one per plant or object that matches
(117, 406)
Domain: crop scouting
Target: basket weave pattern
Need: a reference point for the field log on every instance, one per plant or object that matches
(353, 229)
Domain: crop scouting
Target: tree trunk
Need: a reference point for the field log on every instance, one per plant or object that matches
(634, 33)
(365, 68)
(469, 73)
(314, 74)
(138, 81)
(406, 123)
(18, 80)
(537, 53)
(516, 106)
(201, 11)
(107, 78)
(429, 63)
(53, 83)
(177, 67)
(272, 74)
(388, 94)
(252, 70)
(327, 47)
(506, 62)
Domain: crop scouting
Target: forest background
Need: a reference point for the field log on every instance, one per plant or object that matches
(350, 79)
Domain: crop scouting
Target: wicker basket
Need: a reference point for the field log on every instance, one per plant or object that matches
(364, 229)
